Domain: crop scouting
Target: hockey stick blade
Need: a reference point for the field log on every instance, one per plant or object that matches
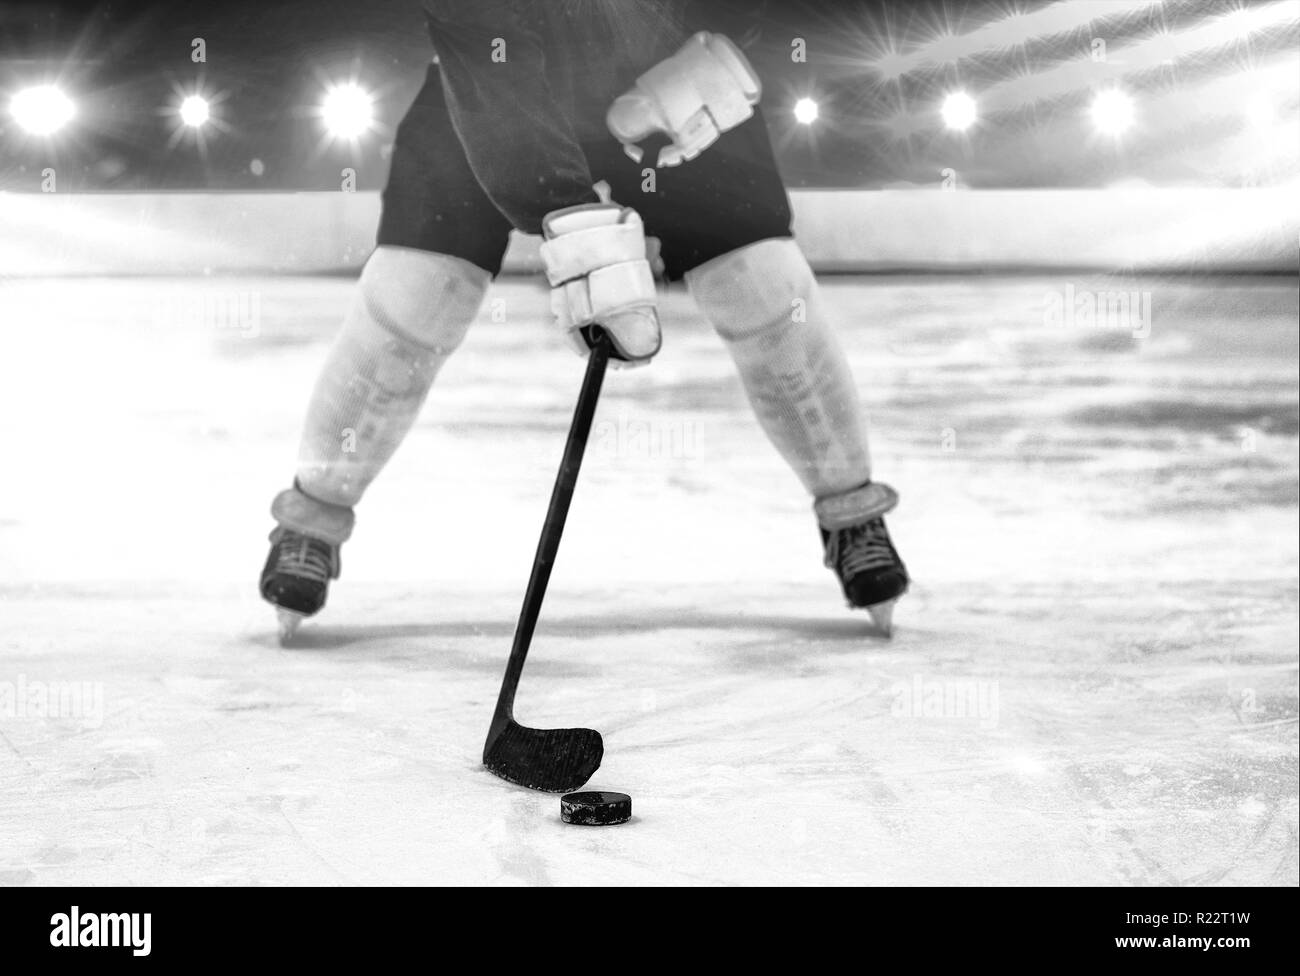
(550, 760)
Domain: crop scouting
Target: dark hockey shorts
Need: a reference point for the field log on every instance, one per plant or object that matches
(729, 196)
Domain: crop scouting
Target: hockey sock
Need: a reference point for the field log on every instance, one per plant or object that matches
(764, 303)
(411, 311)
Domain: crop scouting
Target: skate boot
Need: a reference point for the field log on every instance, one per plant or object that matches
(302, 561)
(860, 552)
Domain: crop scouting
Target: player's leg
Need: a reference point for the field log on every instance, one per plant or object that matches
(409, 313)
(764, 302)
(724, 222)
(440, 243)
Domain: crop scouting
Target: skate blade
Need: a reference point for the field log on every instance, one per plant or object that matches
(288, 623)
(882, 615)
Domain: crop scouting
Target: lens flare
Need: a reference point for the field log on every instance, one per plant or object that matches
(42, 110)
(959, 111)
(1112, 112)
(347, 111)
(195, 111)
(805, 111)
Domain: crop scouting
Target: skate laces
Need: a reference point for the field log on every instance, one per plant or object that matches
(307, 558)
(859, 549)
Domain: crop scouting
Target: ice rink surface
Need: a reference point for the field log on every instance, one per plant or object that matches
(1093, 680)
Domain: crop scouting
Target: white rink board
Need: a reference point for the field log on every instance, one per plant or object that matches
(1244, 230)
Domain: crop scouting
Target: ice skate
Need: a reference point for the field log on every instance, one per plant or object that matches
(871, 573)
(860, 552)
(296, 577)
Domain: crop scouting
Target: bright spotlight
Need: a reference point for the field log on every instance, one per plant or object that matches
(194, 111)
(42, 110)
(1112, 112)
(805, 111)
(959, 111)
(1260, 112)
(347, 111)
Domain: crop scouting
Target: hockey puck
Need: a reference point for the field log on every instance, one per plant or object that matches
(595, 808)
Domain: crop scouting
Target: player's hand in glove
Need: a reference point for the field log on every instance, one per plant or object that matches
(595, 259)
(705, 89)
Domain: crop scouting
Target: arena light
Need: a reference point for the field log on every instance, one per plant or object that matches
(195, 111)
(806, 111)
(1112, 111)
(959, 111)
(1260, 111)
(347, 111)
(42, 110)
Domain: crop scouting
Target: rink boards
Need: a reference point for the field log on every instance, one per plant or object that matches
(1131, 228)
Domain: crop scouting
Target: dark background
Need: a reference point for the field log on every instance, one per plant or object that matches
(128, 63)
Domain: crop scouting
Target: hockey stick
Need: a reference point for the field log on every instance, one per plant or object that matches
(554, 760)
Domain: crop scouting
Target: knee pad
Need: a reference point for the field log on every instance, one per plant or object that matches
(426, 299)
(764, 287)
(411, 310)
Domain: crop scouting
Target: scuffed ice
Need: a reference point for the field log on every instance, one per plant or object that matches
(1093, 680)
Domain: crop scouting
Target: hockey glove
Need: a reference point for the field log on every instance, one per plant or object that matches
(705, 89)
(595, 260)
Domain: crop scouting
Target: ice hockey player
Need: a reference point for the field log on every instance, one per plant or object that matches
(526, 108)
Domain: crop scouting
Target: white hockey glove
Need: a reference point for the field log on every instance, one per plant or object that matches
(595, 260)
(702, 91)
